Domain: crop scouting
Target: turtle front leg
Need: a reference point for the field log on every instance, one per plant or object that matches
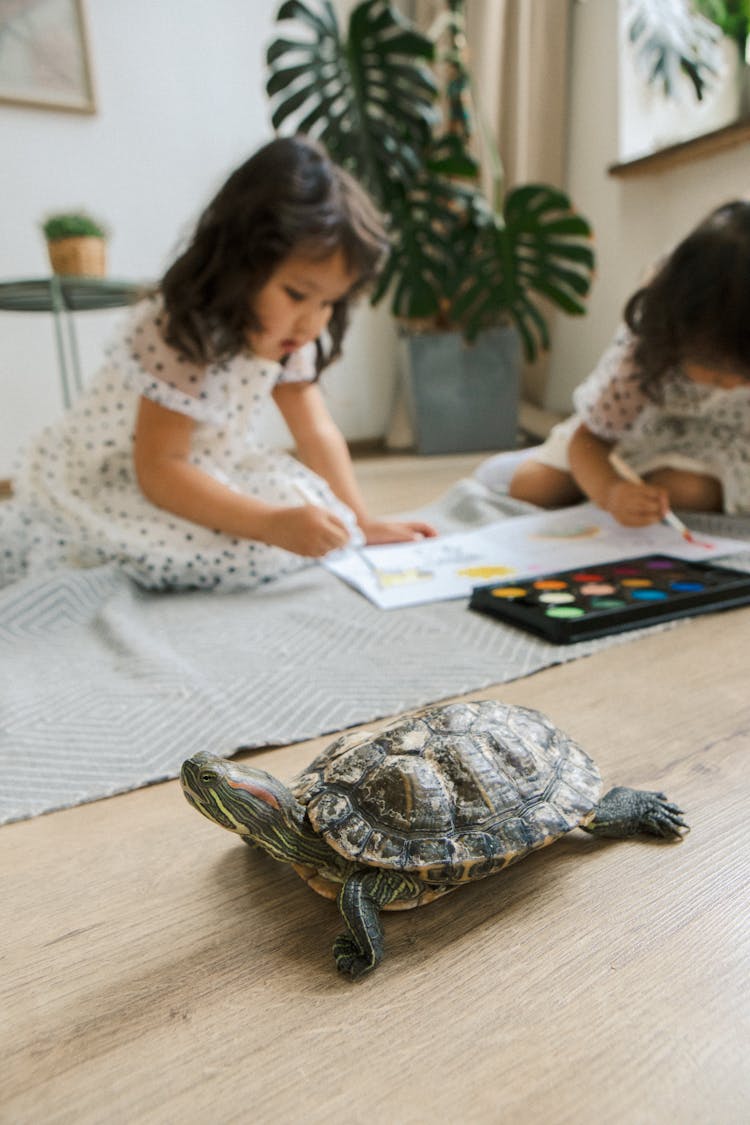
(625, 812)
(361, 899)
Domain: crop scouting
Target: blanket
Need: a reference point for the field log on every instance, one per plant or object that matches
(106, 687)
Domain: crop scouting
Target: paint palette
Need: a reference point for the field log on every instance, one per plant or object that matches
(576, 605)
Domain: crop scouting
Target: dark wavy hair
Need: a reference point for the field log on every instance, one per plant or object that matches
(697, 306)
(288, 198)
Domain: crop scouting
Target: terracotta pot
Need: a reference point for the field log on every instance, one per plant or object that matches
(82, 256)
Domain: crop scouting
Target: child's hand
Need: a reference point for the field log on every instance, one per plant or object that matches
(309, 530)
(396, 531)
(636, 505)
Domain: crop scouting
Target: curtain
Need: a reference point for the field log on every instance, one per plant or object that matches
(518, 60)
(518, 53)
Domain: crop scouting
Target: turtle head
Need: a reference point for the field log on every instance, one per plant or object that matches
(244, 800)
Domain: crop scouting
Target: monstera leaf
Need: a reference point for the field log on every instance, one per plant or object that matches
(541, 246)
(370, 101)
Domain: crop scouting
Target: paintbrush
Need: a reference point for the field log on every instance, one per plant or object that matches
(628, 473)
(307, 495)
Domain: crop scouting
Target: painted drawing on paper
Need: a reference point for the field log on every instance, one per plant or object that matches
(451, 566)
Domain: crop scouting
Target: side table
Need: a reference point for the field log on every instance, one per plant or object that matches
(63, 296)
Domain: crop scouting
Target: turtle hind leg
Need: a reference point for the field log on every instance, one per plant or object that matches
(626, 812)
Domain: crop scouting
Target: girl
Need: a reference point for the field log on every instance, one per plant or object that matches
(159, 465)
(671, 395)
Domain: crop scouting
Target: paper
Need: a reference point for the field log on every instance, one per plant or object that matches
(431, 570)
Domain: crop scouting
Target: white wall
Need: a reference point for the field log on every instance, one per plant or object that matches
(181, 101)
(634, 219)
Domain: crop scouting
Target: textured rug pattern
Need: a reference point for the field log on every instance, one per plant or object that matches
(105, 687)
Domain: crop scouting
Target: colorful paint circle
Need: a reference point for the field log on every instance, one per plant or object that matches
(607, 603)
(550, 584)
(592, 588)
(566, 611)
(555, 597)
(636, 583)
(585, 576)
(490, 571)
(509, 592)
(686, 585)
(649, 595)
(660, 564)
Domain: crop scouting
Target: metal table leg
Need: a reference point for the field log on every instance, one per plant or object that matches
(58, 312)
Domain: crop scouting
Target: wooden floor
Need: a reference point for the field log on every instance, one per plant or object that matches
(156, 970)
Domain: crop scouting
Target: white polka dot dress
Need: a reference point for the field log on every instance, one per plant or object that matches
(77, 501)
(696, 427)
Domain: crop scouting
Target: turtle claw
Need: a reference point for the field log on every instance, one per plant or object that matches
(349, 958)
(660, 817)
(665, 820)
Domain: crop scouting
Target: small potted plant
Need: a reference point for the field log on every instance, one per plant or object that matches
(77, 244)
(465, 274)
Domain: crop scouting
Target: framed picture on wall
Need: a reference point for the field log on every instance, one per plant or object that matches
(44, 58)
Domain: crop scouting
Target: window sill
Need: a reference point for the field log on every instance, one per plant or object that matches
(731, 136)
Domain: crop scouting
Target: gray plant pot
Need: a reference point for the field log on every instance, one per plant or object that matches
(461, 397)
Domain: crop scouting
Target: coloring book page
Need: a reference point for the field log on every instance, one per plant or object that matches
(450, 566)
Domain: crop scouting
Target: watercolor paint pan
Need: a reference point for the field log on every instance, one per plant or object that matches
(587, 602)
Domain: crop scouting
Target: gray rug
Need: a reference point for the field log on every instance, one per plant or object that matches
(105, 687)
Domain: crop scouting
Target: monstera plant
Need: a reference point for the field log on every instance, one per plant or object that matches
(465, 276)
(373, 100)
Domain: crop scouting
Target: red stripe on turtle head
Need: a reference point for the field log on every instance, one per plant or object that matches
(255, 790)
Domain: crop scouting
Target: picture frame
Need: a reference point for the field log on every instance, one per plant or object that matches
(44, 56)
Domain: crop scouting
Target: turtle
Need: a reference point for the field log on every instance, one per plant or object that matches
(442, 796)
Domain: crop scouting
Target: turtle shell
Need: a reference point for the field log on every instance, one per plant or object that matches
(450, 793)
